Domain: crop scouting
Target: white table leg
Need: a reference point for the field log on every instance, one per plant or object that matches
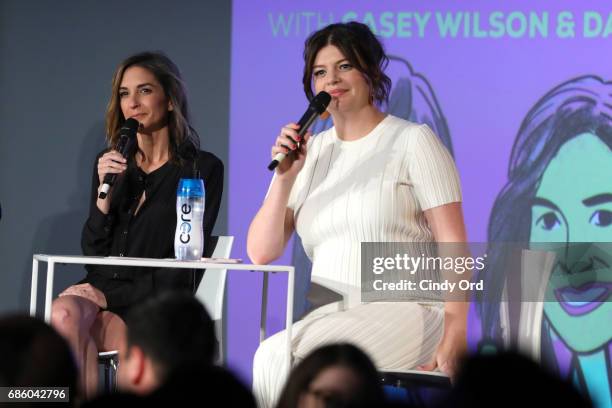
(264, 308)
(289, 319)
(34, 287)
(49, 291)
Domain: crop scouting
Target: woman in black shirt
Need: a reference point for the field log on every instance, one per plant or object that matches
(138, 217)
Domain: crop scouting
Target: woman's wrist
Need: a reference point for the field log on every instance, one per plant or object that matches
(286, 178)
(454, 331)
(455, 325)
(103, 204)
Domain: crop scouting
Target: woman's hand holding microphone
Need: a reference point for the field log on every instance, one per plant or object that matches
(287, 143)
(111, 162)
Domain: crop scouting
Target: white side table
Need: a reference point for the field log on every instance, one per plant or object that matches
(51, 260)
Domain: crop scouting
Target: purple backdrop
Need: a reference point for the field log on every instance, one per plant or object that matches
(486, 78)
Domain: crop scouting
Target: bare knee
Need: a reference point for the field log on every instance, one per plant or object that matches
(68, 317)
(65, 317)
(109, 331)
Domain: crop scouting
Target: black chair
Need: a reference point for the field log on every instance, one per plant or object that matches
(416, 388)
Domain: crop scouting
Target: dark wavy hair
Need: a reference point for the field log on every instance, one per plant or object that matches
(368, 394)
(580, 105)
(168, 75)
(360, 46)
(174, 330)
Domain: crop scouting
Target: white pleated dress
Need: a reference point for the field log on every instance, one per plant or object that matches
(373, 189)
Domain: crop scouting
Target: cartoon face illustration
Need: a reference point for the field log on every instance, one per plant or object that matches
(558, 198)
(573, 205)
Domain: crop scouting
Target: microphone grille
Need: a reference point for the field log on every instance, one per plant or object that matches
(130, 125)
(320, 101)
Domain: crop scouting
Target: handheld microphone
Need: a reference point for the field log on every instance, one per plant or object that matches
(127, 135)
(317, 106)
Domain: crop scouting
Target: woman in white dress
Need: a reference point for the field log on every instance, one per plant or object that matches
(371, 178)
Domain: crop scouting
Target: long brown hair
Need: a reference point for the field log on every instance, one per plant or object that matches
(168, 75)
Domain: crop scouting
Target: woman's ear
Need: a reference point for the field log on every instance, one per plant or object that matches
(170, 106)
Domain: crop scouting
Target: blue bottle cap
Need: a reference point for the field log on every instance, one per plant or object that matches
(190, 188)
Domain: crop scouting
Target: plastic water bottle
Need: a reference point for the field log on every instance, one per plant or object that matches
(189, 236)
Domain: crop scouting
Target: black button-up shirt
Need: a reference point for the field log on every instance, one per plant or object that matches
(146, 232)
